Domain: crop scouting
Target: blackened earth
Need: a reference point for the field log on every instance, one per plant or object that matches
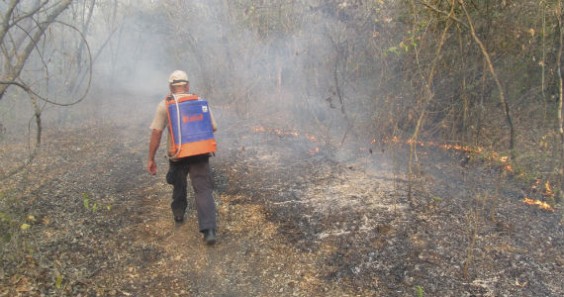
(296, 218)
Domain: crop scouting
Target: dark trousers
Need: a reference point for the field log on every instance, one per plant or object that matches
(198, 168)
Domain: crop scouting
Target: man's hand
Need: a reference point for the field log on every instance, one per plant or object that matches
(153, 146)
(152, 167)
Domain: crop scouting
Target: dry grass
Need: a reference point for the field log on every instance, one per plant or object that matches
(292, 223)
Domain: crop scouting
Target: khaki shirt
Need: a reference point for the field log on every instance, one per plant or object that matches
(160, 121)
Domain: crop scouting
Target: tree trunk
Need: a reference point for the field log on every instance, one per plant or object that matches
(491, 69)
(19, 58)
(560, 90)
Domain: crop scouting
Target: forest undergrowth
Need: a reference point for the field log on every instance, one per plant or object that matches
(85, 219)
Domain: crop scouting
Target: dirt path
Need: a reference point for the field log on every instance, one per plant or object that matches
(291, 223)
(101, 226)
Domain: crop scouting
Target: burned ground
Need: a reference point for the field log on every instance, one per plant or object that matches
(295, 219)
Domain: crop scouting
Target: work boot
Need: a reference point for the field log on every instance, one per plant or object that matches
(209, 236)
(178, 215)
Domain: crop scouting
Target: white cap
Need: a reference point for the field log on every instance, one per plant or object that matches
(177, 78)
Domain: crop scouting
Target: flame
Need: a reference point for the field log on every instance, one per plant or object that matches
(259, 129)
(311, 137)
(444, 146)
(504, 160)
(462, 148)
(540, 204)
(314, 151)
(277, 132)
(548, 192)
(289, 133)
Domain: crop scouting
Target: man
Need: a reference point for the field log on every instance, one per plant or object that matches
(197, 167)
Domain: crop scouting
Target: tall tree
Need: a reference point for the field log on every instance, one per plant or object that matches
(21, 29)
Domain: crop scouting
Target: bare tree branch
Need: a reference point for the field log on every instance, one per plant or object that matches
(448, 14)
(26, 88)
(492, 71)
(26, 15)
(559, 17)
(6, 19)
(28, 48)
(35, 149)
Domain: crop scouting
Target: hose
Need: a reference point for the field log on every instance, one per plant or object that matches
(179, 143)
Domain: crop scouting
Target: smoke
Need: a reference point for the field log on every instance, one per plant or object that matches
(274, 65)
(280, 65)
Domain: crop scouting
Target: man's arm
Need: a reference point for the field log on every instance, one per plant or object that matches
(153, 146)
(213, 122)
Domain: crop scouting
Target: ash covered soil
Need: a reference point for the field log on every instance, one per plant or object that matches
(296, 218)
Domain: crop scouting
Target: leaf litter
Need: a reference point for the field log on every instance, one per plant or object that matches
(315, 226)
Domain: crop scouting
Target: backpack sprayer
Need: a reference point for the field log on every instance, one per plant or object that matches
(190, 126)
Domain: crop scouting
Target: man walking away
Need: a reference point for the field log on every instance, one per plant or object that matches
(186, 158)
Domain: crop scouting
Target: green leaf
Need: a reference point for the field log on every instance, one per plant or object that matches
(58, 281)
(25, 226)
(85, 201)
(419, 291)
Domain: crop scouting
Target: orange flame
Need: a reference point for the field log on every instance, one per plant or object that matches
(449, 147)
(311, 137)
(277, 132)
(292, 133)
(314, 151)
(540, 204)
(548, 192)
(259, 129)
